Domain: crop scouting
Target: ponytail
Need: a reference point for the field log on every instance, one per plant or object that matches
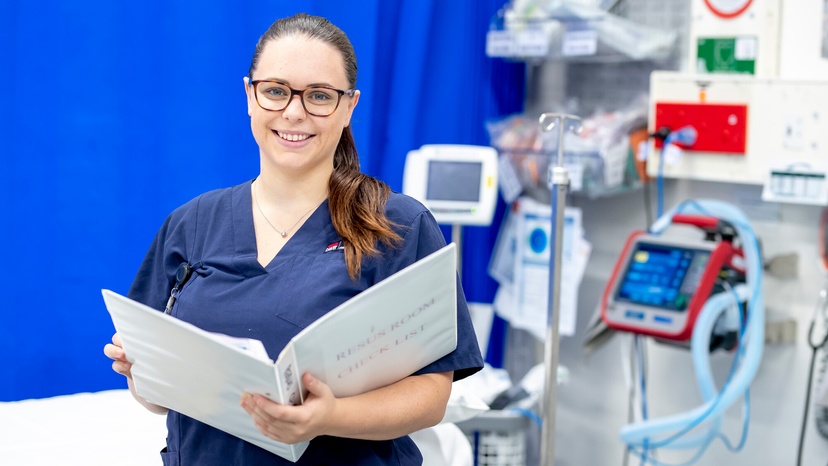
(357, 205)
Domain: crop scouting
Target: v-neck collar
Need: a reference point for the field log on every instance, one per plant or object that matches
(244, 241)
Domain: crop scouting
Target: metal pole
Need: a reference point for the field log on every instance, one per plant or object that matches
(558, 181)
(457, 238)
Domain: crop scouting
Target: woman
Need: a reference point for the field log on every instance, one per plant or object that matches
(272, 255)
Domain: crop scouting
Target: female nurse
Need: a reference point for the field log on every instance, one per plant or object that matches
(272, 255)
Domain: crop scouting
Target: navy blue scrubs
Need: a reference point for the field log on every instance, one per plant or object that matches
(231, 293)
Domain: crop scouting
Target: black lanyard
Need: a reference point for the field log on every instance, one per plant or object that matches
(183, 274)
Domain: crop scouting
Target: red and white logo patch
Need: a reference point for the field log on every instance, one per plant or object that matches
(335, 246)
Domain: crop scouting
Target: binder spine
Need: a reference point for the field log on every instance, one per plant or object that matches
(288, 378)
(300, 389)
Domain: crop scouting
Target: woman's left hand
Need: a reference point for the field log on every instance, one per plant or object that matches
(293, 424)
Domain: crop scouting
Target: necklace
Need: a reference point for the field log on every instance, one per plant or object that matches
(281, 232)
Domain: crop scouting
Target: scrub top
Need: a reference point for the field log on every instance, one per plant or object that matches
(231, 293)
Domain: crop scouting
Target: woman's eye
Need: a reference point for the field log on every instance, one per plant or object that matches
(275, 92)
(320, 96)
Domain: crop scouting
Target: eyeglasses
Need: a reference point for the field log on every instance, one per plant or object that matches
(318, 101)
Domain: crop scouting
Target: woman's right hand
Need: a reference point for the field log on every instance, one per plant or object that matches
(115, 351)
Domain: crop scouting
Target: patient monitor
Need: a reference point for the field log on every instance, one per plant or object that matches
(457, 183)
(660, 285)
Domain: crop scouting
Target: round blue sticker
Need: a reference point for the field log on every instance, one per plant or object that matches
(538, 240)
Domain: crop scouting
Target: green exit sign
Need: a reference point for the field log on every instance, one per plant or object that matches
(726, 55)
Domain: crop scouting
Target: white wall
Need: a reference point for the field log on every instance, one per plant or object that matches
(802, 39)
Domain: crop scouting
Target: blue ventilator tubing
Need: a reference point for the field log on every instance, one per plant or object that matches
(707, 417)
(686, 135)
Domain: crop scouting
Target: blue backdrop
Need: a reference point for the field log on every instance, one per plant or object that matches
(114, 113)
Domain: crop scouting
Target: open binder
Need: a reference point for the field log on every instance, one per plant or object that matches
(376, 338)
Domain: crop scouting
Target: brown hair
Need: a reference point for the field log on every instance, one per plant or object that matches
(356, 201)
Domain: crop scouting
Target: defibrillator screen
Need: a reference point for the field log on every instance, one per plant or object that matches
(453, 181)
(662, 276)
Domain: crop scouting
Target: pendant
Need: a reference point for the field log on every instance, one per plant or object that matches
(283, 233)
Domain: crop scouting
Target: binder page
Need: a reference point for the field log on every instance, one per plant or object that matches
(388, 331)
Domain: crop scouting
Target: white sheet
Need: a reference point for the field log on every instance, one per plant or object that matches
(84, 429)
(110, 428)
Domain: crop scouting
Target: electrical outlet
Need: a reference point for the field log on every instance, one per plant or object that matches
(794, 137)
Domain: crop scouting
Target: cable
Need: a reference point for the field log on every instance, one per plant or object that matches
(807, 406)
(660, 184)
(745, 424)
(739, 354)
(696, 422)
(647, 207)
(686, 135)
(629, 377)
(711, 436)
(664, 135)
(814, 349)
(643, 382)
(703, 416)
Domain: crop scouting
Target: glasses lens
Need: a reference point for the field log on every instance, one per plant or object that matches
(320, 101)
(272, 96)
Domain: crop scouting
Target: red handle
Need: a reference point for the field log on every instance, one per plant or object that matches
(705, 223)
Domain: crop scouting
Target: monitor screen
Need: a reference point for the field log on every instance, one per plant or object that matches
(662, 276)
(453, 181)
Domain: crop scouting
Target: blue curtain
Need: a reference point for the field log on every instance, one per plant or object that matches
(114, 113)
(435, 85)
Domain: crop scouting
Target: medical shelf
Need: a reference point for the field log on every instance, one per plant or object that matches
(592, 174)
(498, 438)
(574, 33)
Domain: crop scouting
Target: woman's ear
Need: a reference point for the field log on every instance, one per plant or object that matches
(352, 103)
(248, 91)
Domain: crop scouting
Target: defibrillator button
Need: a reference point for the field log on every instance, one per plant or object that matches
(663, 319)
(634, 315)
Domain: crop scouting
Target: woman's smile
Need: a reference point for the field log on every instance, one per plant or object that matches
(293, 139)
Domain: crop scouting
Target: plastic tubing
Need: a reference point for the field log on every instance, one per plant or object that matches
(753, 339)
(712, 309)
(706, 426)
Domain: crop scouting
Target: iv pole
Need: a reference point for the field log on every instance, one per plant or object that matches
(558, 182)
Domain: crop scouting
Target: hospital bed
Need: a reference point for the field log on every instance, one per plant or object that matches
(109, 427)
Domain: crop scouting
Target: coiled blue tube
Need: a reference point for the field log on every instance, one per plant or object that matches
(709, 414)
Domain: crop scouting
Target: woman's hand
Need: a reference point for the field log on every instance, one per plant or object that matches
(293, 424)
(121, 365)
(115, 351)
(411, 404)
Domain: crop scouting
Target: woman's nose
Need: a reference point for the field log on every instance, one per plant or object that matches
(294, 110)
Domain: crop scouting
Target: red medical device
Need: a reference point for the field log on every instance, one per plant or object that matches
(659, 285)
